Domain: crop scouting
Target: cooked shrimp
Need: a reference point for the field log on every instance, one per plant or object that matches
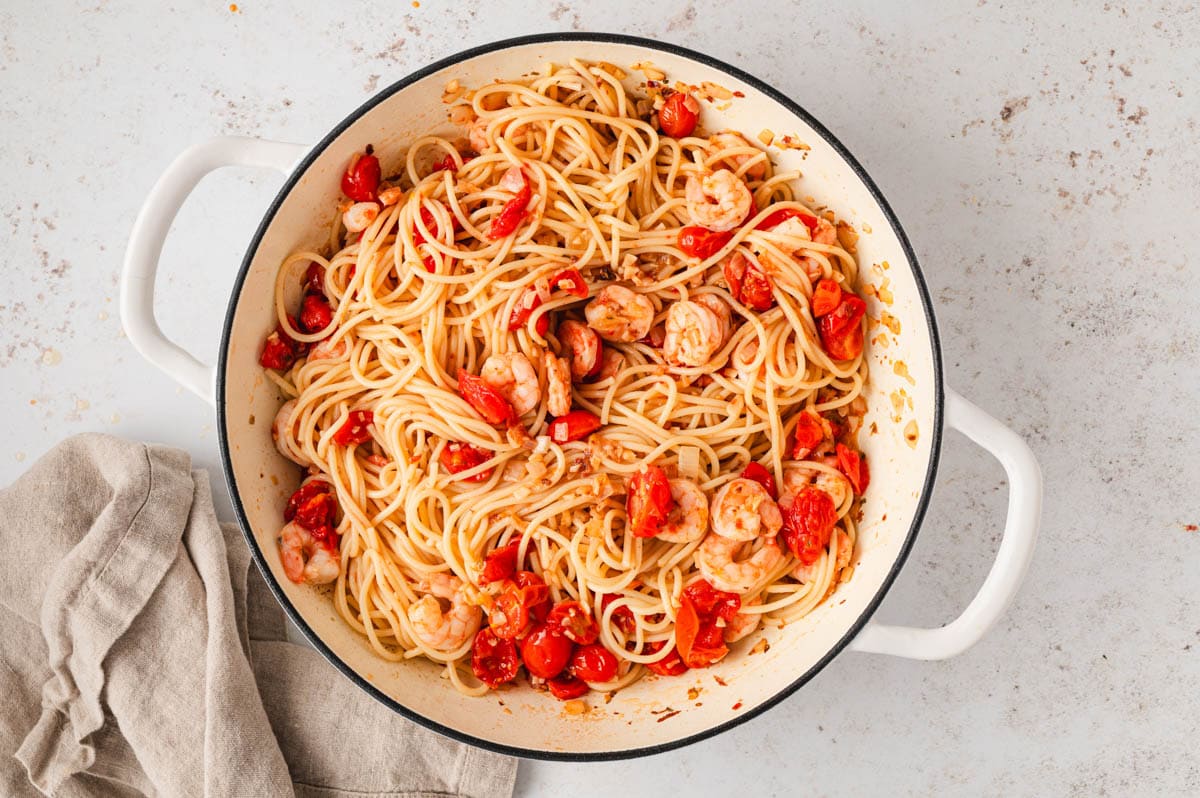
(325, 350)
(583, 347)
(728, 140)
(513, 377)
(806, 573)
(743, 623)
(689, 520)
(718, 201)
(721, 309)
(795, 230)
(693, 335)
(558, 385)
(444, 629)
(826, 233)
(304, 559)
(612, 363)
(717, 559)
(283, 430)
(743, 510)
(619, 314)
(477, 135)
(832, 482)
(358, 217)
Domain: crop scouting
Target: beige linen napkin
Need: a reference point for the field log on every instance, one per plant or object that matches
(143, 656)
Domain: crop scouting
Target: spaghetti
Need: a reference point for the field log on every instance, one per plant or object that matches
(579, 393)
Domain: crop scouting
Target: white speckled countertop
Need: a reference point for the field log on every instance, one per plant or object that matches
(1045, 165)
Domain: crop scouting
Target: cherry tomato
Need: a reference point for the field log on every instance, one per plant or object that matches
(430, 223)
(808, 524)
(679, 114)
(854, 466)
(537, 594)
(776, 218)
(748, 283)
(493, 660)
(314, 278)
(576, 623)
(524, 308)
(571, 281)
(574, 426)
(315, 313)
(694, 639)
(509, 614)
(669, 665)
(361, 181)
(447, 164)
(277, 352)
(500, 563)
(486, 401)
(354, 428)
(759, 473)
(512, 213)
(457, 456)
(649, 502)
(809, 434)
(711, 603)
(594, 663)
(846, 315)
(700, 242)
(622, 617)
(546, 651)
(314, 514)
(566, 687)
(826, 297)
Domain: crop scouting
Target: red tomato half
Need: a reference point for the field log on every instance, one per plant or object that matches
(510, 613)
(493, 660)
(310, 504)
(711, 603)
(315, 313)
(277, 352)
(854, 466)
(576, 623)
(841, 331)
(314, 278)
(457, 456)
(524, 308)
(826, 297)
(679, 114)
(361, 180)
(546, 651)
(695, 640)
(537, 594)
(649, 502)
(776, 218)
(700, 242)
(670, 665)
(759, 473)
(486, 401)
(748, 283)
(512, 213)
(808, 436)
(574, 426)
(571, 281)
(808, 524)
(594, 663)
(500, 563)
(566, 687)
(354, 429)
(622, 617)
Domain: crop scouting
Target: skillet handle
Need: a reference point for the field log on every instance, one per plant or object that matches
(150, 231)
(1012, 558)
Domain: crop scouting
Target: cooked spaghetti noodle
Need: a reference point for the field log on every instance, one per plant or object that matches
(434, 285)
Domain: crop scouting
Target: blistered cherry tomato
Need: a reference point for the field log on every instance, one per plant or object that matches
(826, 297)
(679, 114)
(576, 623)
(457, 456)
(808, 524)
(500, 563)
(277, 352)
(574, 426)
(313, 514)
(571, 281)
(484, 398)
(776, 218)
(854, 466)
(622, 617)
(354, 429)
(711, 603)
(594, 663)
(509, 614)
(566, 687)
(649, 502)
(524, 308)
(493, 660)
(512, 213)
(315, 313)
(537, 594)
(759, 473)
(546, 651)
(361, 181)
(669, 665)
(314, 278)
(694, 638)
(808, 436)
(748, 283)
(700, 242)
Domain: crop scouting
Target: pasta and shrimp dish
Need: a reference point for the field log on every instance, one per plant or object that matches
(576, 392)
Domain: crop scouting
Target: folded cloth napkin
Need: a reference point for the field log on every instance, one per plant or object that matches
(143, 656)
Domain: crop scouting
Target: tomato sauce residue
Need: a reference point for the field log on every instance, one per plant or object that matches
(1191, 527)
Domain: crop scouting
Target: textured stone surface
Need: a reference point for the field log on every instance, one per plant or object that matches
(1044, 162)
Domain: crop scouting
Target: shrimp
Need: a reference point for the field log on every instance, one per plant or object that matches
(619, 314)
(795, 230)
(717, 559)
(718, 201)
(832, 482)
(324, 350)
(689, 520)
(358, 217)
(721, 309)
(304, 559)
(612, 363)
(444, 629)
(558, 385)
(744, 623)
(845, 550)
(693, 336)
(512, 376)
(477, 135)
(743, 510)
(728, 140)
(584, 346)
(283, 430)
(825, 233)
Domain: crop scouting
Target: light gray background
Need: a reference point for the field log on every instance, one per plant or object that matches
(1044, 162)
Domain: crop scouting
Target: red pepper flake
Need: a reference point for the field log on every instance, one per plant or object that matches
(720, 681)
(738, 705)
(668, 716)
(1191, 527)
